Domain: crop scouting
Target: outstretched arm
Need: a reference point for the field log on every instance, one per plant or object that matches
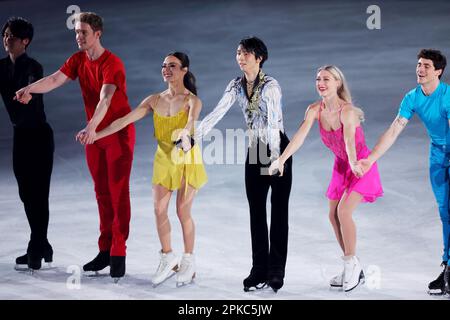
(385, 142)
(141, 111)
(225, 103)
(297, 140)
(44, 85)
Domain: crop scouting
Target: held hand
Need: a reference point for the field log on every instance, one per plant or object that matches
(84, 138)
(185, 144)
(276, 168)
(365, 165)
(23, 95)
(357, 169)
(80, 137)
(184, 141)
(90, 134)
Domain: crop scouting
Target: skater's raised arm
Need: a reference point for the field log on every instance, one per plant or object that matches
(298, 139)
(44, 85)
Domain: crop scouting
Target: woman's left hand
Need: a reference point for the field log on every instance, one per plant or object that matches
(356, 169)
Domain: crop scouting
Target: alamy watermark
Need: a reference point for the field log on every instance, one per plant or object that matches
(374, 20)
(73, 282)
(73, 10)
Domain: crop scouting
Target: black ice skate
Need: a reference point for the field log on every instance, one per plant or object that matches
(446, 280)
(100, 262)
(117, 269)
(437, 287)
(275, 282)
(30, 262)
(255, 281)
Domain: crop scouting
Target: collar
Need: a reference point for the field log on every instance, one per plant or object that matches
(20, 59)
(258, 80)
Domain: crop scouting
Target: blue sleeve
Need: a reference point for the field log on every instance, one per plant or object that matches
(406, 109)
(446, 102)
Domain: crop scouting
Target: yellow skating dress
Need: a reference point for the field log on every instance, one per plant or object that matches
(171, 164)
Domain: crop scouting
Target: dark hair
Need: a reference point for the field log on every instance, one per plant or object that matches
(257, 47)
(189, 79)
(20, 28)
(92, 19)
(439, 60)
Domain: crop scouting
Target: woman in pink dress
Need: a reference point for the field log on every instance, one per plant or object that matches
(341, 131)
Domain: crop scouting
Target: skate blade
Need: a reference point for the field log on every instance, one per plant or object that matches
(336, 288)
(185, 283)
(116, 279)
(24, 267)
(361, 281)
(94, 274)
(26, 270)
(258, 287)
(155, 285)
(21, 267)
(436, 292)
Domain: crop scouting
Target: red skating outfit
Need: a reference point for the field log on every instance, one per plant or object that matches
(109, 159)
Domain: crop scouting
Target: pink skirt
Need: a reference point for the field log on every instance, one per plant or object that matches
(343, 179)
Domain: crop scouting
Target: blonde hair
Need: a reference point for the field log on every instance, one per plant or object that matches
(343, 90)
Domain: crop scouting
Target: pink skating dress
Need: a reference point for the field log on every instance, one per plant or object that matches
(343, 179)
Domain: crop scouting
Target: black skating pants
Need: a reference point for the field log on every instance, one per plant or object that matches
(32, 163)
(269, 251)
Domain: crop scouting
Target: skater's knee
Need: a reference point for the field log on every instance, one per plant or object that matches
(183, 214)
(333, 217)
(344, 214)
(160, 210)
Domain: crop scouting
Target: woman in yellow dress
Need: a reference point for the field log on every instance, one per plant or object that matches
(174, 110)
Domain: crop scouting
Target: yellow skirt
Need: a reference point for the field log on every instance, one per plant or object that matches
(171, 164)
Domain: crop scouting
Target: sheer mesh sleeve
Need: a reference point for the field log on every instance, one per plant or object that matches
(225, 103)
(272, 96)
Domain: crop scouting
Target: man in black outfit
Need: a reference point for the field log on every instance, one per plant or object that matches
(259, 97)
(33, 143)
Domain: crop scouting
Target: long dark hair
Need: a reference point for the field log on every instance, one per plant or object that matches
(189, 79)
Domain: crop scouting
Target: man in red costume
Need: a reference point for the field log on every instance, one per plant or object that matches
(102, 80)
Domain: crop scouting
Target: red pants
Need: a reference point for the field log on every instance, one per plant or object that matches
(109, 161)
